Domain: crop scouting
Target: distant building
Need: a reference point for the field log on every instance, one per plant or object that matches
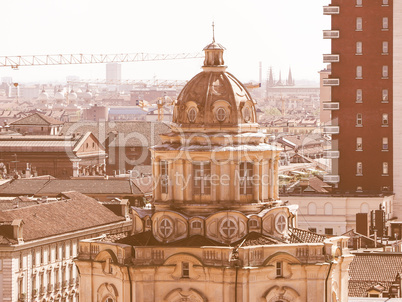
(59, 156)
(38, 241)
(113, 72)
(37, 124)
(96, 113)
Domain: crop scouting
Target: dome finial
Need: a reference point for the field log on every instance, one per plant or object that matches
(213, 31)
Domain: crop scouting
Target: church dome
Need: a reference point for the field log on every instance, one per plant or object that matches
(215, 99)
(59, 96)
(87, 95)
(72, 96)
(43, 96)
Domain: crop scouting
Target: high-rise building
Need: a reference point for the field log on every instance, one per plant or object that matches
(366, 95)
(113, 72)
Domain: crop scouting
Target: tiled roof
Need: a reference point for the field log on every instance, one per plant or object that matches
(369, 269)
(59, 217)
(304, 236)
(37, 119)
(133, 132)
(317, 184)
(55, 186)
(254, 238)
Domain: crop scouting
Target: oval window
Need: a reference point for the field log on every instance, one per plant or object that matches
(221, 114)
(166, 227)
(192, 114)
(246, 114)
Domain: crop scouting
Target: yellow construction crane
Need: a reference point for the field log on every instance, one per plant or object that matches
(68, 59)
(161, 102)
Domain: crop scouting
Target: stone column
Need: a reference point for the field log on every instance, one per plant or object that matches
(271, 179)
(256, 180)
(156, 190)
(188, 181)
(232, 187)
(178, 181)
(236, 181)
(171, 187)
(214, 180)
(276, 184)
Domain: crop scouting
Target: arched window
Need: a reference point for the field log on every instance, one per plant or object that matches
(192, 114)
(312, 208)
(328, 209)
(364, 208)
(196, 224)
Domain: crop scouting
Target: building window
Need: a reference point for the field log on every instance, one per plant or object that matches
(166, 227)
(359, 168)
(313, 230)
(221, 114)
(385, 143)
(21, 261)
(202, 178)
(385, 119)
(329, 231)
(196, 224)
(359, 96)
(192, 114)
(359, 120)
(311, 208)
(33, 258)
(246, 177)
(359, 144)
(185, 270)
(253, 223)
(280, 223)
(385, 168)
(385, 47)
(228, 228)
(359, 72)
(359, 23)
(385, 2)
(385, 71)
(328, 209)
(359, 189)
(359, 48)
(279, 269)
(385, 23)
(385, 95)
(164, 176)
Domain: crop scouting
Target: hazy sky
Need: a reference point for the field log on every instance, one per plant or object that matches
(278, 33)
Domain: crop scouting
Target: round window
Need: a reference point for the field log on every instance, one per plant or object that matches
(192, 114)
(228, 228)
(166, 227)
(280, 223)
(246, 114)
(221, 114)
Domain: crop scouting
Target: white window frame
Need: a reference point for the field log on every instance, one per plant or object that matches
(359, 72)
(359, 48)
(385, 145)
(359, 120)
(359, 96)
(385, 96)
(279, 269)
(385, 23)
(384, 47)
(384, 120)
(385, 168)
(164, 176)
(359, 23)
(246, 178)
(385, 71)
(359, 168)
(359, 144)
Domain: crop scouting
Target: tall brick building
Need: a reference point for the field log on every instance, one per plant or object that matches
(366, 86)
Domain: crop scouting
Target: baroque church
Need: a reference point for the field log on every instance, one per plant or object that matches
(217, 230)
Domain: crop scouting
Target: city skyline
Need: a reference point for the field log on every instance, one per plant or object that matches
(275, 34)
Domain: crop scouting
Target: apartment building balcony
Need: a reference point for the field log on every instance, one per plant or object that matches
(330, 154)
(331, 130)
(330, 58)
(330, 106)
(330, 82)
(331, 179)
(331, 10)
(330, 34)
